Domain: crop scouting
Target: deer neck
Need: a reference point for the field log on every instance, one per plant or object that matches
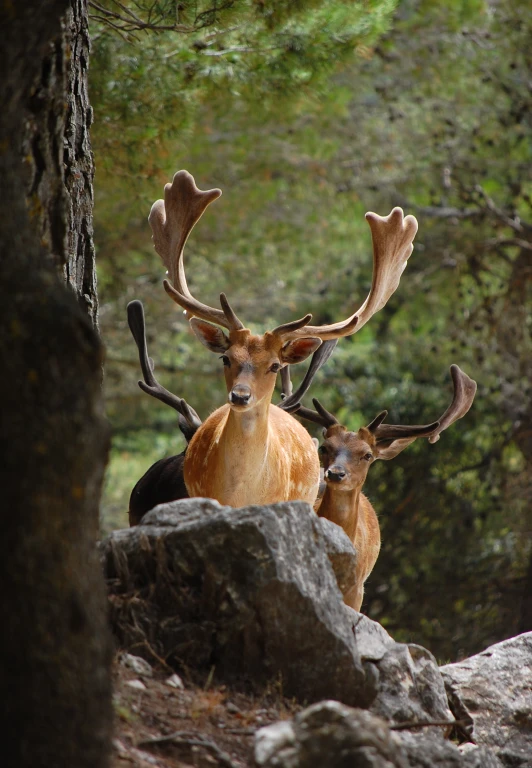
(248, 426)
(342, 508)
(244, 447)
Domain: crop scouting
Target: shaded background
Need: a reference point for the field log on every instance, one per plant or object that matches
(307, 115)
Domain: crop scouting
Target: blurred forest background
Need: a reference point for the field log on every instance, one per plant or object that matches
(306, 115)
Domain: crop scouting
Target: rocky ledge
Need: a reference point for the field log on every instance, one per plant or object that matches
(256, 594)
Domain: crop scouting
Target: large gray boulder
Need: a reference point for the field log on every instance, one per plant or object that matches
(249, 591)
(493, 692)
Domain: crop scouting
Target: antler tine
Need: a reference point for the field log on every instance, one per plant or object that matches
(197, 309)
(171, 221)
(291, 403)
(294, 325)
(319, 416)
(464, 394)
(189, 421)
(392, 237)
(232, 319)
(377, 421)
(309, 415)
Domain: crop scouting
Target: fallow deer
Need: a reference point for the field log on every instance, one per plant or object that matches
(164, 482)
(347, 456)
(250, 451)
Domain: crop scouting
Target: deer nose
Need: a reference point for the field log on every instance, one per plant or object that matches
(240, 395)
(335, 474)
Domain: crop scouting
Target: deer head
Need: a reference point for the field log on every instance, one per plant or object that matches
(252, 362)
(347, 456)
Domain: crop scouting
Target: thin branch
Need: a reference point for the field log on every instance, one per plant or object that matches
(514, 223)
(510, 241)
(445, 212)
(128, 24)
(241, 49)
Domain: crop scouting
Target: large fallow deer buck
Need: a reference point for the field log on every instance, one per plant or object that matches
(164, 481)
(347, 456)
(250, 451)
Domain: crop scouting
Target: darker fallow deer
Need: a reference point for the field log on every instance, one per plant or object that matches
(164, 480)
(250, 451)
(347, 456)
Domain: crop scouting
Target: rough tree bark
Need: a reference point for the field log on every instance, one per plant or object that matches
(54, 646)
(58, 158)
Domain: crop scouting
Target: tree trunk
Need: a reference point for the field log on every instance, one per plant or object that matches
(58, 158)
(55, 645)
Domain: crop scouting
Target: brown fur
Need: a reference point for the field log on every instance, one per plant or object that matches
(257, 453)
(344, 503)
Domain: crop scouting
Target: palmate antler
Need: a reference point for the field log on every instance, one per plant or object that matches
(400, 435)
(173, 218)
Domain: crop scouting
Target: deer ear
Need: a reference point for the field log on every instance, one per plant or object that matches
(389, 449)
(299, 349)
(210, 335)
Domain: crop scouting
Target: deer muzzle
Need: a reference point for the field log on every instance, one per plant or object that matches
(240, 394)
(335, 474)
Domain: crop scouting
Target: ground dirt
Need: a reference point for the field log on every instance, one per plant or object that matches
(203, 725)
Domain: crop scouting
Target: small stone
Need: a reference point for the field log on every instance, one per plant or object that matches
(138, 685)
(232, 708)
(274, 739)
(175, 682)
(138, 665)
(145, 757)
(119, 747)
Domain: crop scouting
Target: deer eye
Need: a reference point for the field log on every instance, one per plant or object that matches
(275, 367)
(368, 456)
(225, 360)
(322, 450)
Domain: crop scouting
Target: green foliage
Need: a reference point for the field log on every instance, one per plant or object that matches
(436, 118)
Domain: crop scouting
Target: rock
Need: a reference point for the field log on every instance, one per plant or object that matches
(175, 682)
(373, 642)
(249, 591)
(138, 665)
(138, 685)
(275, 745)
(341, 553)
(332, 735)
(434, 751)
(479, 757)
(410, 687)
(493, 692)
